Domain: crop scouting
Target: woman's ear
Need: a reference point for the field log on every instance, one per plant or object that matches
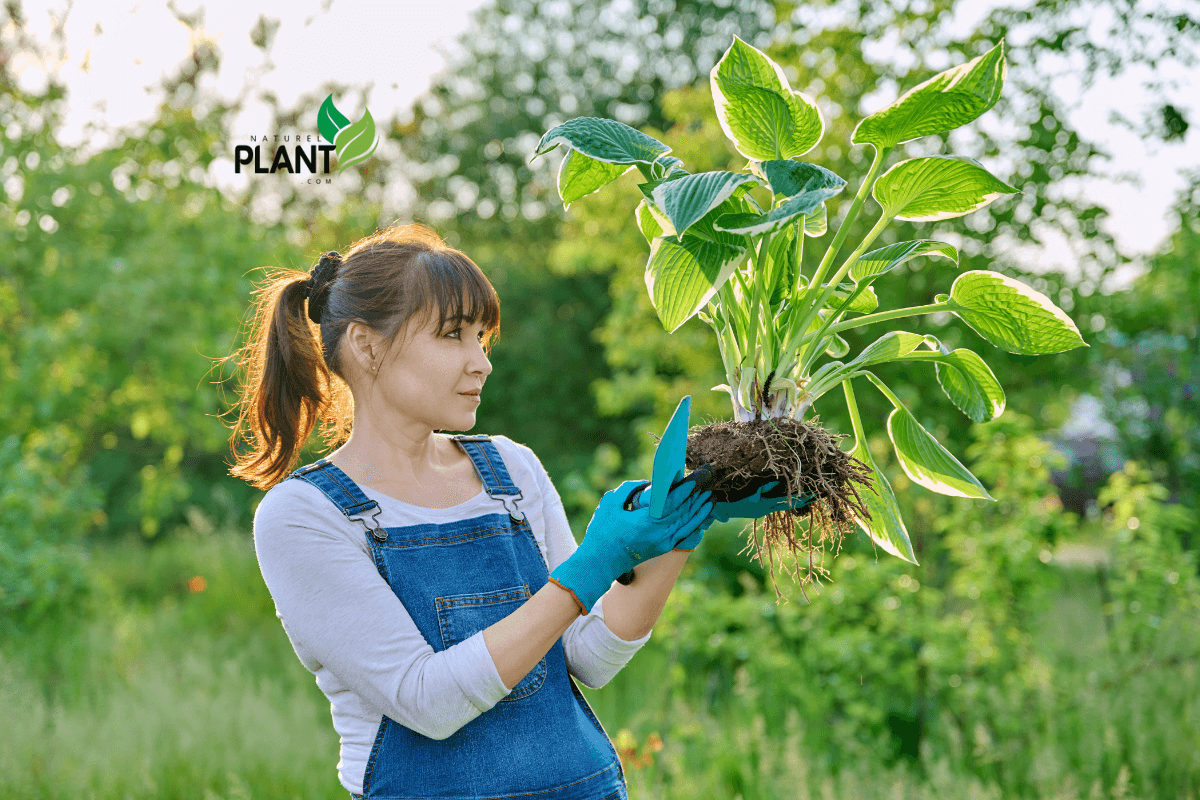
(363, 343)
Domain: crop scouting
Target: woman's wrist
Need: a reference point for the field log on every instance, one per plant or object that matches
(631, 611)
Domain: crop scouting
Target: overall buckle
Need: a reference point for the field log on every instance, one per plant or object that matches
(513, 511)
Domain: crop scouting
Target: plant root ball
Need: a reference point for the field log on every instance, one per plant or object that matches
(804, 458)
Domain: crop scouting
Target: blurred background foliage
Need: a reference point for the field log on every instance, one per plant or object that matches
(1044, 646)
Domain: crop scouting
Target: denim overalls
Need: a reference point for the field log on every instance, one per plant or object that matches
(541, 741)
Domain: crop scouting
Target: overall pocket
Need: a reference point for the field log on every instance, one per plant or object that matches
(461, 616)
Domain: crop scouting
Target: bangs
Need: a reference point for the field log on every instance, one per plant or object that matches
(460, 291)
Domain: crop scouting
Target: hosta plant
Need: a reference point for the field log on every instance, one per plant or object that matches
(740, 267)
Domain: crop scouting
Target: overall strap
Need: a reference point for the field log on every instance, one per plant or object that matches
(342, 492)
(490, 466)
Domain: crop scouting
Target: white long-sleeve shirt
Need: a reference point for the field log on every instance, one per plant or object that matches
(352, 632)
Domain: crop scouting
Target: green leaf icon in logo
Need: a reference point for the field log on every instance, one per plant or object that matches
(330, 120)
(356, 142)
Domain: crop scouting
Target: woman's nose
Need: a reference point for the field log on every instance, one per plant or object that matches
(482, 363)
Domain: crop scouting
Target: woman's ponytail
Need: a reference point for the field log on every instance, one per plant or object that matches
(286, 382)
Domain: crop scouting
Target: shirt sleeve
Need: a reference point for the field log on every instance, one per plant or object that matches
(337, 608)
(594, 653)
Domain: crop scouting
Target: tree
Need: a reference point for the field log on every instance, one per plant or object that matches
(823, 47)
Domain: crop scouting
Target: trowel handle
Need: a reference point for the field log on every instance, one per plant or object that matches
(640, 498)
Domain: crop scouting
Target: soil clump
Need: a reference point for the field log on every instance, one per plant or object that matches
(805, 459)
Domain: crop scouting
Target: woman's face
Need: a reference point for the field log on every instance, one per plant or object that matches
(421, 385)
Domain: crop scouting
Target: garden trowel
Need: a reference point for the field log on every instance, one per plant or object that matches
(668, 465)
(667, 472)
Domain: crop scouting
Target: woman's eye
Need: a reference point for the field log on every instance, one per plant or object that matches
(459, 331)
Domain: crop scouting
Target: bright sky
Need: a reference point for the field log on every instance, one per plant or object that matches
(130, 45)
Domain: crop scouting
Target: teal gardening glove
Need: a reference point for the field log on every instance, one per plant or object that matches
(618, 540)
(753, 507)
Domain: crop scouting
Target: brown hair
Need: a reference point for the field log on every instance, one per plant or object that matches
(293, 373)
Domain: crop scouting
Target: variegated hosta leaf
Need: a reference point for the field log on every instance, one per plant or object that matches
(682, 276)
(815, 223)
(942, 103)
(889, 347)
(923, 458)
(579, 176)
(666, 165)
(885, 527)
(865, 303)
(603, 140)
(783, 215)
(892, 346)
(649, 223)
(782, 252)
(647, 187)
(790, 178)
(877, 262)
(936, 187)
(757, 108)
(968, 382)
(1011, 315)
(687, 199)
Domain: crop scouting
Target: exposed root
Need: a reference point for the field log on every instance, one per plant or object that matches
(804, 458)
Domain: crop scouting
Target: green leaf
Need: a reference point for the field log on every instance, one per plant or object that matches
(942, 103)
(885, 526)
(780, 254)
(837, 347)
(923, 458)
(889, 347)
(936, 187)
(968, 382)
(790, 178)
(757, 109)
(893, 346)
(681, 276)
(877, 262)
(801, 205)
(815, 223)
(356, 142)
(330, 120)
(864, 303)
(685, 200)
(648, 223)
(647, 187)
(603, 140)
(668, 166)
(1011, 315)
(579, 176)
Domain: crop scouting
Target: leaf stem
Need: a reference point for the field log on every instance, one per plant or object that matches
(799, 226)
(883, 316)
(855, 420)
(824, 331)
(851, 216)
(751, 295)
(810, 302)
(832, 286)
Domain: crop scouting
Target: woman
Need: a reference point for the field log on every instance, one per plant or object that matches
(431, 583)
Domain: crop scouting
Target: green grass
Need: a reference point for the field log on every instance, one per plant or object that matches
(166, 693)
(158, 691)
